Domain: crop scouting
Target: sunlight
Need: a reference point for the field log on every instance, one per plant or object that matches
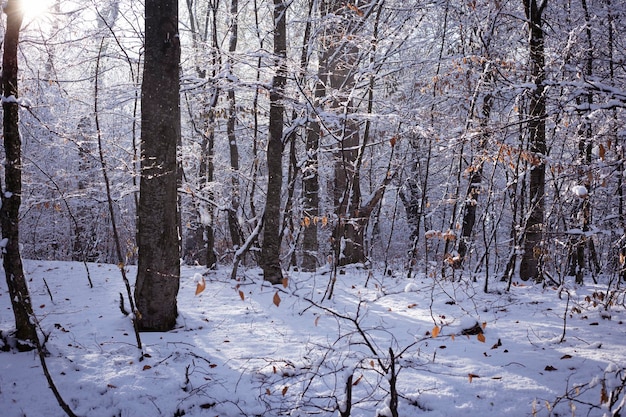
(34, 9)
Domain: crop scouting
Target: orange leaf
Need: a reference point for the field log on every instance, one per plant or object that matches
(601, 151)
(285, 282)
(480, 337)
(201, 286)
(242, 295)
(435, 332)
(276, 299)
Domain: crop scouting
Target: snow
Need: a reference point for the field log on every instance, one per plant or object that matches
(580, 191)
(234, 352)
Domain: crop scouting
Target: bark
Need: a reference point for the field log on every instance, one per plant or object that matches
(233, 222)
(270, 251)
(530, 266)
(310, 174)
(11, 196)
(158, 270)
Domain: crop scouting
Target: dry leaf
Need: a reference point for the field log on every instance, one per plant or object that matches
(285, 282)
(201, 286)
(604, 398)
(601, 151)
(317, 319)
(242, 295)
(435, 332)
(285, 391)
(267, 391)
(472, 376)
(480, 337)
(392, 141)
(146, 367)
(276, 299)
(355, 383)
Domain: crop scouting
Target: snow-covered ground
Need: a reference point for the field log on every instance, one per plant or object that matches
(245, 348)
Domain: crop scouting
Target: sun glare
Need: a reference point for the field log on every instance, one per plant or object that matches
(34, 9)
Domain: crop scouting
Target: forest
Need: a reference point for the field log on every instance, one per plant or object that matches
(435, 147)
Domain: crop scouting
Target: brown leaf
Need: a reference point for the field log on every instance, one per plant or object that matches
(601, 151)
(604, 398)
(566, 357)
(355, 383)
(285, 282)
(284, 391)
(242, 295)
(201, 286)
(317, 319)
(392, 141)
(435, 332)
(480, 337)
(146, 367)
(472, 376)
(276, 299)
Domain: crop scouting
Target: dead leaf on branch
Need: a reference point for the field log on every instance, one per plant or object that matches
(435, 331)
(276, 300)
(201, 286)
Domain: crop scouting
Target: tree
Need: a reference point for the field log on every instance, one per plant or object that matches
(11, 196)
(270, 251)
(158, 270)
(533, 232)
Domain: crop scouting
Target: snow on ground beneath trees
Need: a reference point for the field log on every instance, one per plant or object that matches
(245, 348)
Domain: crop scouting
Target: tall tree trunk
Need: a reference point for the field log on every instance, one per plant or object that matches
(310, 184)
(530, 266)
(158, 270)
(11, 196)
(270, 251)
(233, 222)
(340, 53)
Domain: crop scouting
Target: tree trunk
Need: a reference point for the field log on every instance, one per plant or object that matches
(11, 196)
(158, 270)
(270, 251)
(530, 266)
(233, 222)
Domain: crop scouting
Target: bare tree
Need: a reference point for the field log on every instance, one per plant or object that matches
(270, 252)
(158, 270)
(530, 266)
(11, 196)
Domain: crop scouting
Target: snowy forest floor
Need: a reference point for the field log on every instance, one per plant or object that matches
(245, 348)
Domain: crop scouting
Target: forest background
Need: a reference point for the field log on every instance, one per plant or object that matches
(431, 136)
(441, 140)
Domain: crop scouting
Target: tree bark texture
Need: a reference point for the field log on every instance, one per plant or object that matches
(11, 196)
(530, 263)
(158, 271)
(270, 251)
